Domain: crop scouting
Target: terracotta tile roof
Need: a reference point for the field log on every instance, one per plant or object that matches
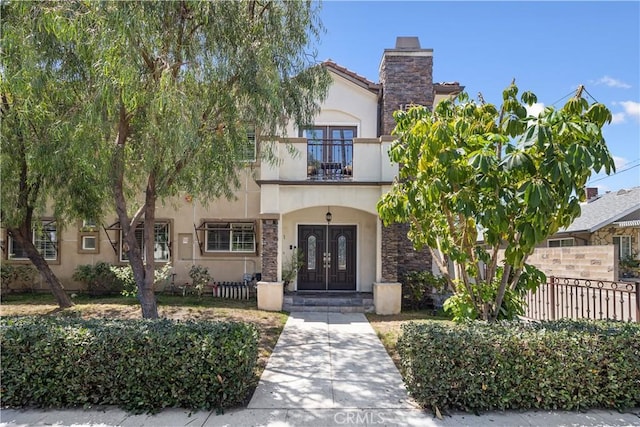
(352, 76)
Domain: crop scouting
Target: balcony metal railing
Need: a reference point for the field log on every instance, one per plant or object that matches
(329, 159)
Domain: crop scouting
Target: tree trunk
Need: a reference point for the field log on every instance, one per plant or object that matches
(38, 261)
(146, 295)
(146, 292)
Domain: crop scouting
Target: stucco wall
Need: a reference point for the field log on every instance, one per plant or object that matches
(182, 215)
(347, 104)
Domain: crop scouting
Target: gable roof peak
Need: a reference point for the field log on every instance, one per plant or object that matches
(351, 76)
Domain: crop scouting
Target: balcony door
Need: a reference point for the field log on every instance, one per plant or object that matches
(329, 257)
(329, 152)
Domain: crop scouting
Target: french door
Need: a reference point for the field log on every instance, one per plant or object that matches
(329, 254)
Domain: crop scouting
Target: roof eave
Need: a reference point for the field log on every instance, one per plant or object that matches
(351, 76)
(608, 221)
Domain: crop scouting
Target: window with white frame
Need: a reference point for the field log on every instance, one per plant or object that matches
(560, 243)
(161, 242)
(248, 147)
(230, 237)
(89, 243)
(44, 238)
(624, 246)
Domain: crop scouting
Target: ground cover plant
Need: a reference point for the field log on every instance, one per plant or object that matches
(268, 325)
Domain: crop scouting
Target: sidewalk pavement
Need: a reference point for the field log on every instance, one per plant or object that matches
(327, 369)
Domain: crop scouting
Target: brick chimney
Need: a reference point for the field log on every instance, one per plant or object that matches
(406, 76)
(592, 193)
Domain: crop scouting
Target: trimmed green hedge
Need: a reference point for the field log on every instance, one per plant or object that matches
(139, 365)
(569, 365)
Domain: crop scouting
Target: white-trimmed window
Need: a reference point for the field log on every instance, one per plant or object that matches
(560, 243)
(161, 242)
(624, 246)
(44, 238)
(248, 147)
(230, 237)
(89, 243)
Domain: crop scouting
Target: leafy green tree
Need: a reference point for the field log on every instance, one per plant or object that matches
(474, 173)
(180, 85)
(48, 163)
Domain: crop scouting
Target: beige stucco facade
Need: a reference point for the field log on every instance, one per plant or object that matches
(278, 200)
(276, 190)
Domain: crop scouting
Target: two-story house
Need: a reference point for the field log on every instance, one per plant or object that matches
(320, 201)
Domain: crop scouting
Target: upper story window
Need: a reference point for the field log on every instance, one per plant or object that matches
(44, 238)
(330, 152)
(248, 148)
(230, 237)
(161, 242)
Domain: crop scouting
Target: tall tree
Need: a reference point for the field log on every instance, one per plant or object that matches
(47, 165)
(181, 84)
(470, 168)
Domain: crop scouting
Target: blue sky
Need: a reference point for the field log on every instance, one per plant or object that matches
(548, 47)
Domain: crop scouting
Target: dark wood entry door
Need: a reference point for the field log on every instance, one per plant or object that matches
(329, 255)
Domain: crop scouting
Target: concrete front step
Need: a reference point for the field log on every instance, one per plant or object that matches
(339, 302)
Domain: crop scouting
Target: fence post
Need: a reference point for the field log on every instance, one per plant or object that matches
(638, 302)
(552, 298)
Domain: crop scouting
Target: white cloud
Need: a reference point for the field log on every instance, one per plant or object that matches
(611, 82)
(535, 109)
(620, 162)
(617, 118)
(631, 109)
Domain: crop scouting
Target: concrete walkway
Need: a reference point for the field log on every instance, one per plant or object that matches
(328, 369)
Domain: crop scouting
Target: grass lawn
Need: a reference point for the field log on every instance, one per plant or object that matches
(389, 328)
(269, 324)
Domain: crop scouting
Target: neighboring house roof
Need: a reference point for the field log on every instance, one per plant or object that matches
(632, 223)
(447, 88)
(352, 76)
(606, 210)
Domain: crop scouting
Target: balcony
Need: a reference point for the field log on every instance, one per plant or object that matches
(329, 160)
(321, 161)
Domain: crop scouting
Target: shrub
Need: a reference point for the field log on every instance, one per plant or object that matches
(139, 365)
(421, 289)
(98, 279)
(200, 277)
(129, 287)
(568, 365)
(17, 277)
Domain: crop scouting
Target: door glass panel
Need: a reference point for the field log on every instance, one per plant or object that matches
(342, 253)
(311, 253)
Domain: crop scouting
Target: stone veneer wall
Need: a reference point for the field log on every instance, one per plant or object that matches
(605, 235)
(405, 80)
(398, 254)
(269, 250)
(390, 243)
(410, 259)
(580, 262)
(406, 76)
